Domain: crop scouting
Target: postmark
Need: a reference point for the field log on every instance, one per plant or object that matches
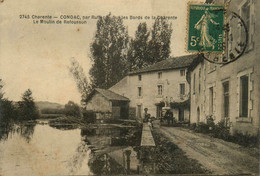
(205, 28)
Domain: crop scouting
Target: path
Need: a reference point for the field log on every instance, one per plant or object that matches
(216, 155)
(147, 137)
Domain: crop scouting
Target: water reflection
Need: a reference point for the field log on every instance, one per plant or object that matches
(5, 129)
(26, 131)
(38, 149)
(113, 150)
(43, 150)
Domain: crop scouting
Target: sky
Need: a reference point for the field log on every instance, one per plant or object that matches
(37, 56)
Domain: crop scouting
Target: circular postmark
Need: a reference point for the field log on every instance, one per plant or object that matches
(236, 41)
(217, 34)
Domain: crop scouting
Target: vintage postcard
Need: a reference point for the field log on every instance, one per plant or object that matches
(129, 87)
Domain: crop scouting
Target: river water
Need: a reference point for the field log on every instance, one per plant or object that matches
(43, 150)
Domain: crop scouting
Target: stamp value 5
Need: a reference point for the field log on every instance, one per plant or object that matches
(205, 28)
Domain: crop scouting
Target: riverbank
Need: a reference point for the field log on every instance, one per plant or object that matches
(216, 155)
(170, 159)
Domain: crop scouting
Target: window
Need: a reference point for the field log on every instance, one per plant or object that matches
(159, 75)
(199, 79)
(247, 12)
(194, 82)
(139, 77)
(243, 110)
(182, 89)
(160, 90)
(182, 72)
(139, 91)
(226, 99)
(211, 100)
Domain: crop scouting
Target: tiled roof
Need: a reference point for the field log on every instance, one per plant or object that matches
(171, 63)
(111, 95)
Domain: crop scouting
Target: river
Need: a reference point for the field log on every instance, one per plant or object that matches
(43, 150)
(105, 149)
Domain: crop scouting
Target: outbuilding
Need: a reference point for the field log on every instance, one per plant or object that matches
(107, 104)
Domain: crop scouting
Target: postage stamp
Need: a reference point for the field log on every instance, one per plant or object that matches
(205, 28)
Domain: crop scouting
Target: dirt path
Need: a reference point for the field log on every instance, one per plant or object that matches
(216, 155)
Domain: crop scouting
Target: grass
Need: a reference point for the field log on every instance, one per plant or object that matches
(170, 159)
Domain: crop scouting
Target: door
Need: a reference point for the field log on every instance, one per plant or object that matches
(198, 115)
(158, 111)
(116, 112)
(181, 115)
(139, 111)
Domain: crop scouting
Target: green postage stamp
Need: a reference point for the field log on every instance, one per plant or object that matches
(205, 28)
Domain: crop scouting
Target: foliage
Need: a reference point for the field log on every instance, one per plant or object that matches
(8, 111)
(169, 158)
(89, 116)
(245, 139)
(221, 131)
(159, 44)
(1, 91)
(210, 122)
(108, 52)
(80, 78)
(8, 114)
(138, 52)
(27, 107)
(149, 46)
(72, 109)
(202, 128)
(52, 111)
(193, 126)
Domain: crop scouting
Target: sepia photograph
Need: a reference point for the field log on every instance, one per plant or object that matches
(129, 87)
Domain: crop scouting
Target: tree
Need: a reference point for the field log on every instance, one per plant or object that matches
(108, 51)
(27, 107)
(149, 46)
(8, 114)
(159, 44)
(72, 109)
(138, 52)
(1, 91)
(7, 109)
(81, 80)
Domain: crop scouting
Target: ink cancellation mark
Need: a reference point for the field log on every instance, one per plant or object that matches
(205, 28)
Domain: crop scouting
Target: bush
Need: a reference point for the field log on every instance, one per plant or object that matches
(89, 116)
(245, 139)
(193, 126)
(202, 128)
(221, 131)
(112, 121)
(210, 121)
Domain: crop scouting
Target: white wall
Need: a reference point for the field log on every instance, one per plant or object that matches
(170, 81)
(99, 103)
(249, 63)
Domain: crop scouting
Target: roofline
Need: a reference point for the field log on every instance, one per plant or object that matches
(195, 56)
(114, 93)
(95, 90)
(195, 63)
(148, 71)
